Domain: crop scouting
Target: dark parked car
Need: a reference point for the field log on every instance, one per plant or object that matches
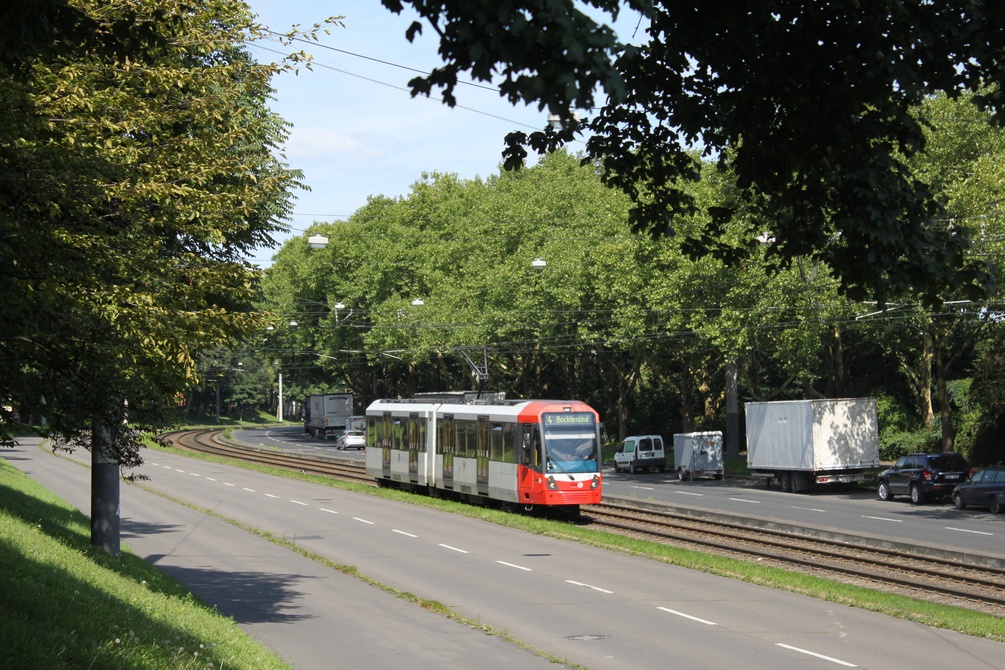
(924, 476)
(985, 489)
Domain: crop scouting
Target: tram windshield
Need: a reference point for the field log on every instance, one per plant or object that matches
(570, 441)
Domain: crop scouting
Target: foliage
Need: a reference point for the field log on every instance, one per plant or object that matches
(140, 165)
(809, 104)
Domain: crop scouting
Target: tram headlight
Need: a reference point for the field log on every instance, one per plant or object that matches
(596, 482)
(552, 484)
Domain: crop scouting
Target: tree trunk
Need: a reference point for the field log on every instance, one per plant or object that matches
(942, 394)
(925, 380)
(104, 491)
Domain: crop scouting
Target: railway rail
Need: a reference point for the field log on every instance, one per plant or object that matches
(932, 578)
(954, 582)
(212, 442)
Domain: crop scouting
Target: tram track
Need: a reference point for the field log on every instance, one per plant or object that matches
(212, 442)
(950, 581)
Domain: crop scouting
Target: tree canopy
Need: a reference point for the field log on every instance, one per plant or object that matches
(139, 163)
(808, 104)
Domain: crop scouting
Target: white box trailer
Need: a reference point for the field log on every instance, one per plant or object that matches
(806, 442)
(327, 413)
(698, 455)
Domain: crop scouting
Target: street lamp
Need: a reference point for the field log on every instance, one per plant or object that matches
(317, 241)
(538, 263)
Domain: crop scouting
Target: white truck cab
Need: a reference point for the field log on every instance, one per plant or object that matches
(641, 452)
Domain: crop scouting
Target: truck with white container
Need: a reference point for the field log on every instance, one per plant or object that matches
(327, 414)
(805, 442)
(698, 455)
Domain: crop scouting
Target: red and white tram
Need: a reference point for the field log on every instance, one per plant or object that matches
(521, 453)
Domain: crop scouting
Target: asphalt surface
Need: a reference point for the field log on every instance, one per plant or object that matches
(311, 615)
(602, 610)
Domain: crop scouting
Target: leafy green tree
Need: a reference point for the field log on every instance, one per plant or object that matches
(139, 167)
(809, 104)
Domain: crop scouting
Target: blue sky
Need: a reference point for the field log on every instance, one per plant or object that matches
(356, 131)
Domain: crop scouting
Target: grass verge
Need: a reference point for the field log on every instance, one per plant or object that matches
(67, 605)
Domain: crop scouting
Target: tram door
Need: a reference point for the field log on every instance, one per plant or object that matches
(385, 445)
(529, 455)
(482, 455)
(413, 435)
(446, 443)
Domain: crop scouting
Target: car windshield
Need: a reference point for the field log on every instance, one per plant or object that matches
(354, 433)
(570, 441)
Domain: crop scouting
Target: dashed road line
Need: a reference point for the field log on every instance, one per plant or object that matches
(688, 616)
(882, 518)
(964, 530)
(297, 502)
(356, 518)
(595, 588)
(401, 532)
(816, 655)
(513, 565)
(461, 551)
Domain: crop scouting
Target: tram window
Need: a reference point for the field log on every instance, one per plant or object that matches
(397, 435)
(508, 437)
(465, 437)
(496, 442)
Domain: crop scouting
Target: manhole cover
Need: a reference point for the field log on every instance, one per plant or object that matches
(588, 636)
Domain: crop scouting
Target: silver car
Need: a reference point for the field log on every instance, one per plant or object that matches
(351, 439)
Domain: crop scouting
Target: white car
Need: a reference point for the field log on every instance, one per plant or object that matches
(351, 439)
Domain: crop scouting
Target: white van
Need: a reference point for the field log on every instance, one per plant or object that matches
(641, 452)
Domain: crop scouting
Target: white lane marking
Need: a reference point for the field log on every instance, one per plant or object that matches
(401, 532)
(228, 484)
(181, 471)
(644, 488)
(330, 511)
(689, 493)
(820, 656)
(210, 479)
(810, 509)
(964, 530)
(250, 490)
(882, 518)
(356, 518)
(195, 474)
(269, 495)
(688, 616)
(168, 467)
(513, 565)
(297, 502)
(447, 546)
(595, 588)
(753, 502)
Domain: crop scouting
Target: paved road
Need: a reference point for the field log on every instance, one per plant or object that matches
(312, 616)
(846, 510)
(596, 608)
